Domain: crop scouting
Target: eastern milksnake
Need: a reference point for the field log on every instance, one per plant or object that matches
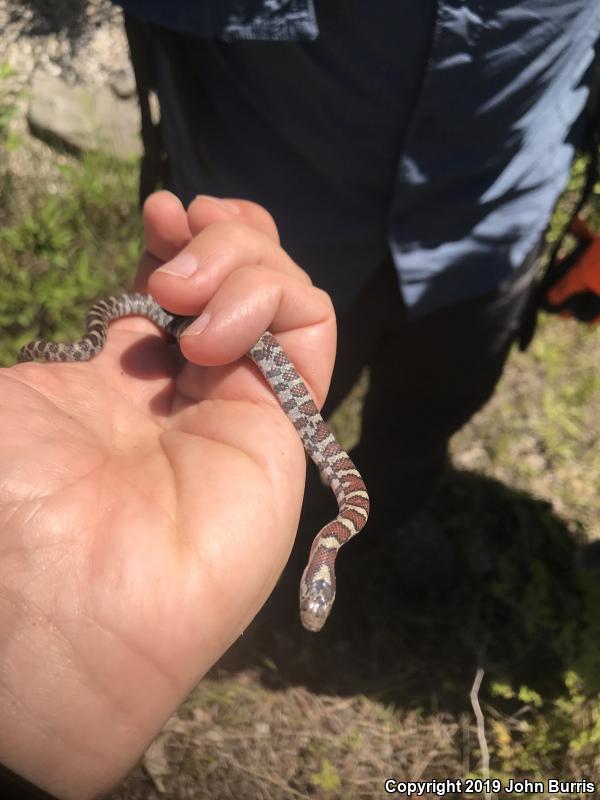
(317, 586)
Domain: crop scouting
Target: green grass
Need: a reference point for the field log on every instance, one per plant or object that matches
(384, 691)
(66, 250)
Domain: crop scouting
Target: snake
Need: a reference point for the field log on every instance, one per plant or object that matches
(318, 583)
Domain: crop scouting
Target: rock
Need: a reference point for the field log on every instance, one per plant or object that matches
(79, 118)
(122, 82)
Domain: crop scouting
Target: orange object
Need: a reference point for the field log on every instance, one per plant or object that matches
(576, 293)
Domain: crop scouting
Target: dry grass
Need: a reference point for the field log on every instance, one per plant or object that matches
(295, 744)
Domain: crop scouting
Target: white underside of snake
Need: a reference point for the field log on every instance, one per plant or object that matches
(317, 586)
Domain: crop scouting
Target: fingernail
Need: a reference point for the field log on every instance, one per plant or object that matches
(228, 205)
(183, 265)
(198, 325)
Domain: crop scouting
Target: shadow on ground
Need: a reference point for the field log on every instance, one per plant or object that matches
(485, 576)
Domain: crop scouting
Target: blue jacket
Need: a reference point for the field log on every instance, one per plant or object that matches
(486, 145)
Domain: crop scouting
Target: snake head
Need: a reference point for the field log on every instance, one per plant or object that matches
(316, 600)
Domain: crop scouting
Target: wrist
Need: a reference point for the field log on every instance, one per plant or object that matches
(48, 753)
(16, 787)
(60, 729)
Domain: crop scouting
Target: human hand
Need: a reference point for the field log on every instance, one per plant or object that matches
(148, 503)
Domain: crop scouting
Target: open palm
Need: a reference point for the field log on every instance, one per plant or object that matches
(147, 507)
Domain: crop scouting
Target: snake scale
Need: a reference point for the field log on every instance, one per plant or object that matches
(317, 585)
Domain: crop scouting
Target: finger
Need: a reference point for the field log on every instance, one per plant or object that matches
(185, 284)
(166, 228)
(254, 299)
(204, 211)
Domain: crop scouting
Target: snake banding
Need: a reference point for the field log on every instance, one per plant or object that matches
(317, 585)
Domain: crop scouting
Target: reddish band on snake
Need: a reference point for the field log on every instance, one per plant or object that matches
(317, 585)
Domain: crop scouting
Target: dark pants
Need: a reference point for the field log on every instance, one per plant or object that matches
(428, 376)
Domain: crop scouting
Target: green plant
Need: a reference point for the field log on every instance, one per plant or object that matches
(8, 108)
(68, 250)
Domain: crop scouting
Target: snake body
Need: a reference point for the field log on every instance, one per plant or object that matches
(317, 585)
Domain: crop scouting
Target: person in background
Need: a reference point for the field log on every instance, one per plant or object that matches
(410, 155)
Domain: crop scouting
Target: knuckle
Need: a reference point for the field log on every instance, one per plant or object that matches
(265, 216)
(325, 299)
